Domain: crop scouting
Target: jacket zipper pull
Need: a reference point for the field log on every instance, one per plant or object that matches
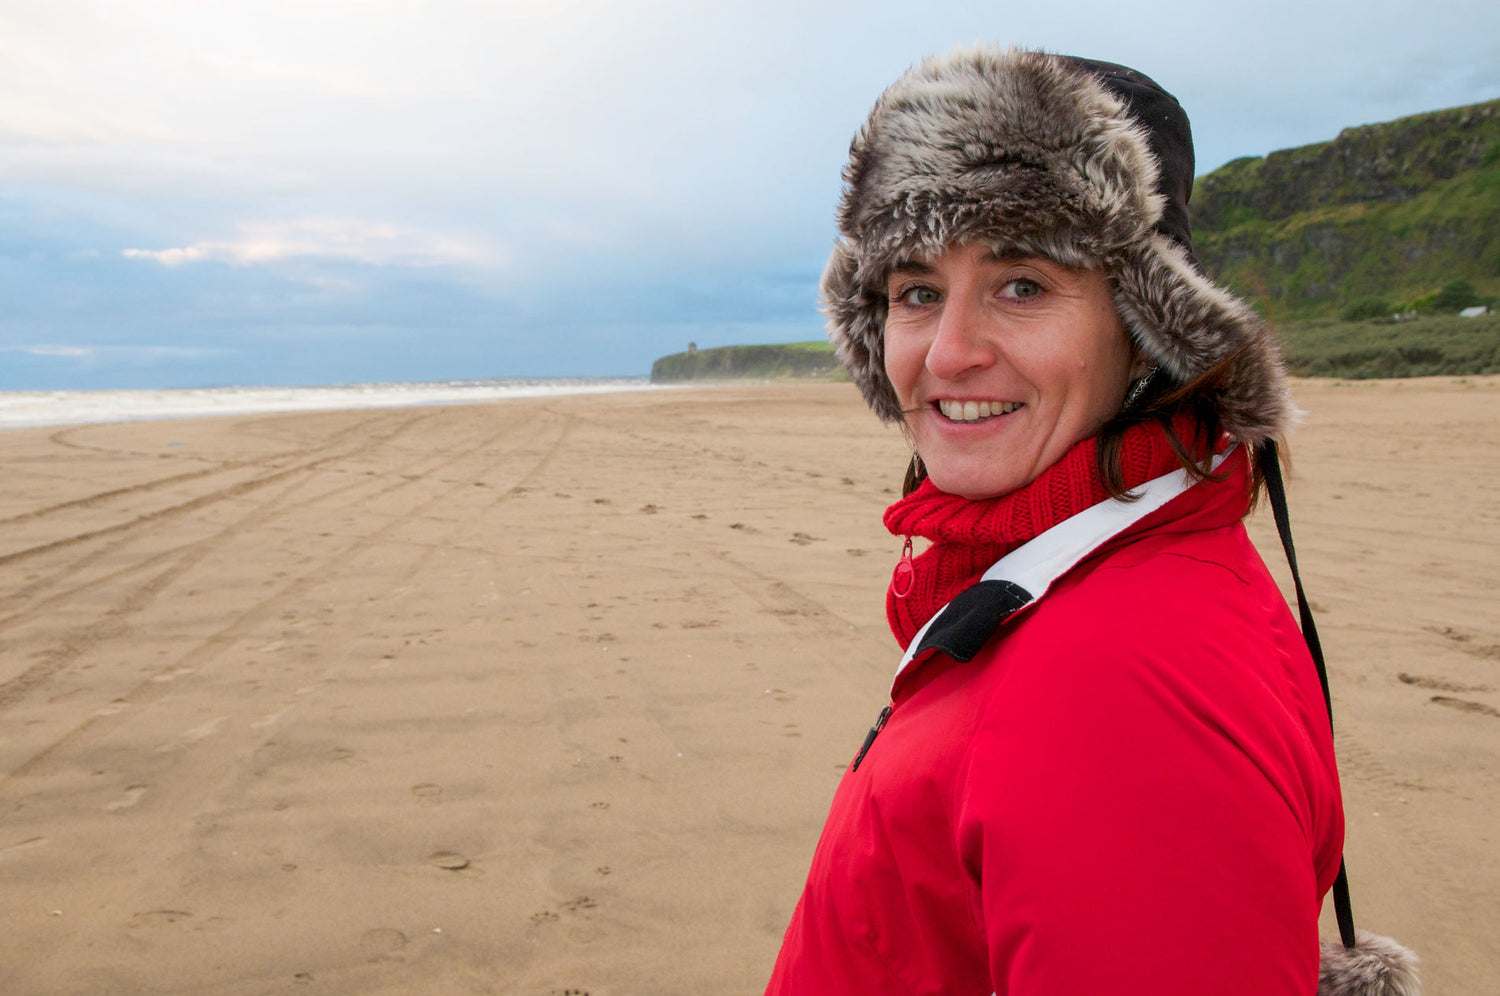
(885, 714)
(905, 574)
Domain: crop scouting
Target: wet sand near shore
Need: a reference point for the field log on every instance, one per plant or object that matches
(549, 696)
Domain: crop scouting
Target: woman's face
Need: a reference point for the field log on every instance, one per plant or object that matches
(1002, 364)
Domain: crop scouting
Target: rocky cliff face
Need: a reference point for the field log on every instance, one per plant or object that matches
(1395, 209)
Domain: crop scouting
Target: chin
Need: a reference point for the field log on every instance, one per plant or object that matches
(975, 486)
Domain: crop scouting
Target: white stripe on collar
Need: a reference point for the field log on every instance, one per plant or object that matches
(1038, 563)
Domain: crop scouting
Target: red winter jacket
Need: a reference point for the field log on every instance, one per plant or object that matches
(1129, 790)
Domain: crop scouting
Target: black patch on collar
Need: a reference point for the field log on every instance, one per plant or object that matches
(971, 619)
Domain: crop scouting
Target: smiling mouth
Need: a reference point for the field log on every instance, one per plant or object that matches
(975, 411)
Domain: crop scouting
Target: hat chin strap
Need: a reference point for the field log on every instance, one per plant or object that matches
(1270, 468)
(1138, 388)
(1366, 964)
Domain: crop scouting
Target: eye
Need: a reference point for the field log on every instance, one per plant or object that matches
(919, 296)
(1022, 289)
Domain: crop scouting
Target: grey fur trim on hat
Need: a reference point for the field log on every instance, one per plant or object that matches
(1376, 966)
(1032, 154)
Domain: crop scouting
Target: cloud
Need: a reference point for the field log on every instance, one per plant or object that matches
(53, 350)
(166, 257)
(26, 120)
(301, 79)
(122, 353)
(333, 239)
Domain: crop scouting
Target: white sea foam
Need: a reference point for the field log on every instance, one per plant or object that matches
(31, 408)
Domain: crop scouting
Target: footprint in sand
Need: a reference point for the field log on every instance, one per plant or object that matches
(267, 721)
(598, 805)
(133, 794)
(197, 734)
(24, 845)
(581, 903)
(158, 918)
(1466, 642)
(381, 943)
(1440, 684)
(545, 916)
(429, 793)
(1466, 706)
(448, 860)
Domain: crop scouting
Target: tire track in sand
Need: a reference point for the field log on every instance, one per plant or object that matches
(199, 501)
(194, 658)
(178, 561)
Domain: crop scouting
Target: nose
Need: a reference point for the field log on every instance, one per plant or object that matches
(961, 342)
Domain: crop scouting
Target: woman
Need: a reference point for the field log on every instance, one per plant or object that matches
(1107, 764)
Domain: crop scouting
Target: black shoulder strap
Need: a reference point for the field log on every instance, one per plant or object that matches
(1270, 468)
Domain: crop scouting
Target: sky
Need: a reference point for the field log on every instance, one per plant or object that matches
(199, 193)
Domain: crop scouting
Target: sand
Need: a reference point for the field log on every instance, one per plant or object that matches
(550, 696)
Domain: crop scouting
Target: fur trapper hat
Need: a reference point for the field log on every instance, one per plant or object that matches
(1084, 163)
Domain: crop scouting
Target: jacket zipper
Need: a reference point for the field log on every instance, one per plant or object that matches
(885, 714)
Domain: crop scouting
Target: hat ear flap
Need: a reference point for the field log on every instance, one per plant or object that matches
(856, 326)
(1375, 966)
(1187, 324)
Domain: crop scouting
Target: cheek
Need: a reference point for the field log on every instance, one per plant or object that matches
(903, 364)
(1098, 375)
(1110, 377)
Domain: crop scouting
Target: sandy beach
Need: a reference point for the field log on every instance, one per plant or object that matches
(549, 696)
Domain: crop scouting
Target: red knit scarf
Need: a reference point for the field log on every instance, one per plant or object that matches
(969, 536)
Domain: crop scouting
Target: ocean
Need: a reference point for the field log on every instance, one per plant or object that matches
(37, 408)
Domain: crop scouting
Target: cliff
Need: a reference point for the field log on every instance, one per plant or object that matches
(1391, 211)
(775, 361)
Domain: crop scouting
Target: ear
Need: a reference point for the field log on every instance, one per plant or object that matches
(1139, 365)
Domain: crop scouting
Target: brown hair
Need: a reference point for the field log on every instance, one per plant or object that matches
(1162, 401)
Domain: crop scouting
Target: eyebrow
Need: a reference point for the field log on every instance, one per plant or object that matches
(916, 267)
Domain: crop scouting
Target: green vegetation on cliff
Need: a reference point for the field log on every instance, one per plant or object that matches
(1422, 347)
(1387, 215)
(802, 360)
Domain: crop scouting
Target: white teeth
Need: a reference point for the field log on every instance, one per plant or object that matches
(973, 411)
